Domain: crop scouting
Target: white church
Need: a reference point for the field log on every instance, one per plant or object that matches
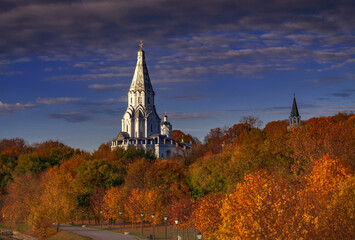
(141, 125)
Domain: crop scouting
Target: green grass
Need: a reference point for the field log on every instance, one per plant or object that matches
(65, 235)
(21, 227)
(148, 230)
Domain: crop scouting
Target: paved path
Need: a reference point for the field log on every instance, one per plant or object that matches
(96, 234)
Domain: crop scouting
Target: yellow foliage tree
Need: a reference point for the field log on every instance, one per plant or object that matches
(257, 209)
(113, 203)
(58, 197)
(207, 217)
(326, 208)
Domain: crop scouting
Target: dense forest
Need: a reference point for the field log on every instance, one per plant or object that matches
(242, 182)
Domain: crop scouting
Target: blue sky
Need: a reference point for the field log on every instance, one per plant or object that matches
(66, 66)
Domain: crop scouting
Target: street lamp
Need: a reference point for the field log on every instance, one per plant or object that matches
(177, 228)
(142, 215)
(199, 236)
(82, 217)
(101, 218)
(153, 216)
(166, 227)
(120, 213)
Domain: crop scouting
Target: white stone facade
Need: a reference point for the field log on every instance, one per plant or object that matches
(141, 124)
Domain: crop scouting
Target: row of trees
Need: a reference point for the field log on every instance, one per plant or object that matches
(241, 183)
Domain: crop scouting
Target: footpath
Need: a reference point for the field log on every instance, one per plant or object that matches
(97, 234)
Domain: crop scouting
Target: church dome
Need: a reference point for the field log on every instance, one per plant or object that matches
(122, 136)
(166, 123)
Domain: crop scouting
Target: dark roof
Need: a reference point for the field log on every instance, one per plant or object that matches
(166, 123)
(294, 111)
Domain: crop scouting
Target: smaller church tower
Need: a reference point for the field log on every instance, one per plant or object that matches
(295, 118)
(166, 127)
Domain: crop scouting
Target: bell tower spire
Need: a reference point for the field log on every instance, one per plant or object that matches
(295, 117)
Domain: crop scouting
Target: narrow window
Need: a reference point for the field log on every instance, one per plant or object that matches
(148, 101)
(139, 99)
(151, 127)
(127, 128)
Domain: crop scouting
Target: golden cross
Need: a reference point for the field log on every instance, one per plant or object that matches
(141, 44)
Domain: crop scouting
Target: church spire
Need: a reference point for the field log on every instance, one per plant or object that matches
(295, 117)
(141, 79)
(294, 110)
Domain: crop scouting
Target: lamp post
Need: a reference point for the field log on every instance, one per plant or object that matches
(199, 236)
(142, 215)
(177, 228)
(153, 216)
(101, 218)
(82, 217)
(166, 227)
(120, 213)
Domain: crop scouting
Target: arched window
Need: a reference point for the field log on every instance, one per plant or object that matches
(131, 101)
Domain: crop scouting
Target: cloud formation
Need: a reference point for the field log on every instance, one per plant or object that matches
(6, 108)
(72, 117)
(107, 87)
(51, 26)
(58, 100)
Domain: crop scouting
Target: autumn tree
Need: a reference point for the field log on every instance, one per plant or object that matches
(326, 203)
(277, 154)
(182, 210)
(168, 179)
(252, 121)
(257, 209)
(136, 174)
(53, 152)
(179, 136)
(58, 197)
(16, 205)
(99, 173)
(97, 202)
(113, 203)
(206, 216)
(210, 173)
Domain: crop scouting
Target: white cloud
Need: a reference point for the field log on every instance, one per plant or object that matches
(6, 108)
(59, 100)
(105, 87)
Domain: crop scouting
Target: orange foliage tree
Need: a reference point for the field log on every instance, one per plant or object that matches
(267, 205)
(326, 203)
(144, 201)
(207, 217)
(58, 198)
(182, 210)
(21, 196)
(97, 202)
(257, 209)
(113, 203)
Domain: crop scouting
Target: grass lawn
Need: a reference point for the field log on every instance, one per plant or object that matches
(148, 230)
(64, 235)
(61, 235)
